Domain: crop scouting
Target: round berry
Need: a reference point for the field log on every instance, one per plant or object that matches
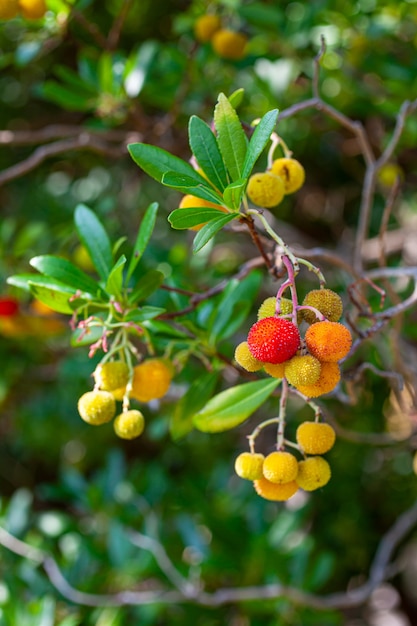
(280, 467)
(265, 189)
(151, 380)
(315, 437)
(328, 341)
(97, 407)
(269, 305)
(273, 340)
(313, 473)
(328, 380)
(273, 491)
(244, 358)
(328, 302)
(129, 424)
(8, 306)
(248, 465)
(112, 375)
(32, 9)
(229, 44)
(276, 370)
(205, 26)
(302, 370)
(291, 172)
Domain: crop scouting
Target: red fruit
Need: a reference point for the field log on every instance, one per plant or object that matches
(273, 340)
(8, 306)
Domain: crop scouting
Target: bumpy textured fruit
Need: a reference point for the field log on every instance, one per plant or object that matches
(268, 307)
(129, 424)
(328, 341)
(229, 44)
(315, 437)
(151, 380)
(32, 9)
(276, 370)
(112, 375)
(8, 9)
(265, 189)
(205, 26)
(328, 380)
(190, 202)
(8, 305)
(302, 370)
(245, 359)
(248, 465)
(97, 407)
(273, 340)
(328, 302)
(280, 467)
(313, 473)
(291, 172)
(273, 491)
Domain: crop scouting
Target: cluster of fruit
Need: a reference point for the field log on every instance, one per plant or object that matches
(274, 342)
(267, 189)
(279, 475)
(226, 43)
(29, 9)
(115, 380)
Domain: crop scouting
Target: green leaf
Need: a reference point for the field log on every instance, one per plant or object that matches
(149, 283)
(145, 232)
(186, 184)
(236, 97)
(189, 217)
(156, 162)
(259, 139)
(204, 146)
(66, 98)
(73, 80)
(54, 296)
(114, 282)
(190, 403)
(230, 136)
(94, 237)
(85, 337)
(144, 313)
(209, 230)
(233, 193)
(67, 273)
(233, 406)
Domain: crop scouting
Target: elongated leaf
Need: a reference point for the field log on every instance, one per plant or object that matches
(55, 297)
(85, 337)
(204, 146)
(209, 230)
(144, 313)
(156, 162)
(230, 136)
(66, 98)
(259, 139)
(66, 273)
(95, 239)
(114, 282)
(187, 218)
(233, 406)
(145, 232)
(149, 283)
(236, 97)
(233, 193)
(186, 184)
(73, 80)
(191, 402)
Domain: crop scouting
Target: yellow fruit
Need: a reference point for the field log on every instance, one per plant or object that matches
(313, 473)
(82, 258)
(272, 491)
(151, 380)
(40, 308)
(280, 467)
(97, 407)
(245, 359)
(205, 26)
(248, 465)
(328, 380)
(32, 9)
(265, 189)
(112, 375)
(315, 437)
(192, 202)
(302, 370)
(268, 307)
(118, 394)
(291, 172)
(328, 302)
(129, 424)
(276, 370)
(229, 44)
(8, 9)
(389, 173)
(328, 341)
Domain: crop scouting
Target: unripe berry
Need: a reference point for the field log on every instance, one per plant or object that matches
(112, 375)
(8, 9)
(129, 424)
(328, 341)
(280, 467)
(192, 202)
(269, 305)
(328, 302)
(328, 380)
(248, 465)
(315, 437)
(291, 172)
(245, 359)
(276, 370)
(313, 473)
(265, 189)
(151, 380)
(389, 173)
(205, 26)
(229, 44)
(97, 407)
(32, 9)
(302, 370)
(273, 340)
(273, 491)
